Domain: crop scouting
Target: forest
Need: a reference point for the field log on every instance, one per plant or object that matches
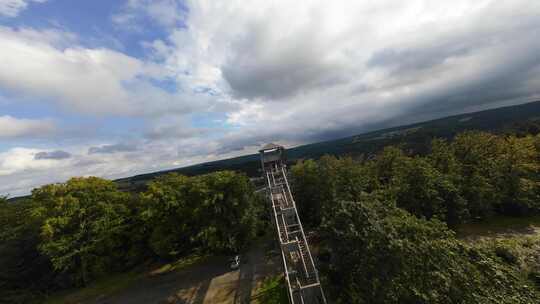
(70, 234)
(385, 224)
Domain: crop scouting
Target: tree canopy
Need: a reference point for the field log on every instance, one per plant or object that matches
(215, 212)
(85, 226)
(382, 254)
(383, 221)
(72, 233)
(473, 177)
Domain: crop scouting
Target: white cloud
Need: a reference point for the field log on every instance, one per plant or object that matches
(275, 50)
(12, 8)
(292, 72)
(302, 70)
(21, 159)
(11, 127)
(88, 80)
(21, 170)
(167, 13)
(46, 65)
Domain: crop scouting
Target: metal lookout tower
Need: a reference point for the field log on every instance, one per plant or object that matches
(301, 276)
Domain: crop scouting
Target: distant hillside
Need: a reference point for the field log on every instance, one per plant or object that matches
(523, 118)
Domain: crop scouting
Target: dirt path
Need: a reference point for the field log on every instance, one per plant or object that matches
(208, 282)
(499, 227)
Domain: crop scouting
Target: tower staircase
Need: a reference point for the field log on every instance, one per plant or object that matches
(301, 276)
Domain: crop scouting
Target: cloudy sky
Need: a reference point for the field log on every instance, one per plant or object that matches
(115, 88)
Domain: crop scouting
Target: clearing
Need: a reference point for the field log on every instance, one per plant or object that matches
(499, 227)
(195, 280)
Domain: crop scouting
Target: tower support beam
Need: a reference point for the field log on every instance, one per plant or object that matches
(301, 275)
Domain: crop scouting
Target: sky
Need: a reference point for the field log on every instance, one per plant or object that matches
(117, 88)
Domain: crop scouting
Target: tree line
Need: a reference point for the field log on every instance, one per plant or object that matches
(475, 176)
(384, 221)
(385, 224)
(69, 234)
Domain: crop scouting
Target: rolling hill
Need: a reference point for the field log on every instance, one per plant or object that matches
(524, 118)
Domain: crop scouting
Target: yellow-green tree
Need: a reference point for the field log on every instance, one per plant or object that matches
(85, 226)
(215, 212)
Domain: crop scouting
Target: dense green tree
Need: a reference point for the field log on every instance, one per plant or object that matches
(383, 238)
(317, 184)
(24, 271)
(231, 211)
(85, 227)
(424, 191)
(217, 212)
(382, 254)
(166, 214)
(442, 156)
(518, 176)
(477, 154)
(498, 173)
(312, 187)
(387, 162)
(354, 177)
(475, 176)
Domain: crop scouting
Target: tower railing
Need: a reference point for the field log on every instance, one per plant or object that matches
(301, 275)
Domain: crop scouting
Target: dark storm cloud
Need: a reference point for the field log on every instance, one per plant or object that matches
(237, 143)
(177, 132)
(294, 65)
(300, 72)
(407, 60)
(276, 81)
(58, 154)
(108, 149)
(493, 69)
(515, 76)
(299, 64)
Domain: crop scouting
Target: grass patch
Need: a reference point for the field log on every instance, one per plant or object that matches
(499, 226)
(113, 283)
(272, 291)
(180, 264)
(103, 287)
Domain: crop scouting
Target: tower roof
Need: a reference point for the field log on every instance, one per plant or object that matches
(271, 146)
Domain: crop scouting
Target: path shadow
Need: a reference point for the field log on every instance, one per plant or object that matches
(201, 293)
(203, 275)
(168, 288)
(245, 281)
